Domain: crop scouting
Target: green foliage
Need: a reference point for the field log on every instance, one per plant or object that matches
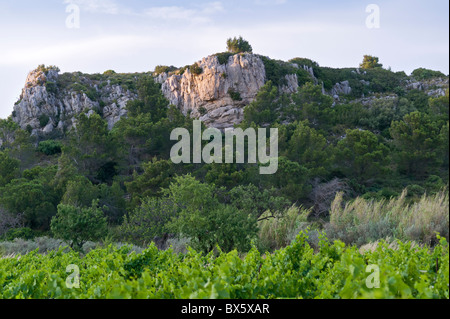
(9, 169)
(51, 87)
(223, 57)
(78, 225)
(147, 221)
(418, 142)
(23, 233)
(196, 69)
(425, 74)
(151, 101)
(370, 62)
(207, 222)
(164, 69)
(264, 109)
(50, 147)
(43, 120)
(276, 71)
(334, 271)
(361, 155)
(235, 95)
(238, 45)
(32, 196)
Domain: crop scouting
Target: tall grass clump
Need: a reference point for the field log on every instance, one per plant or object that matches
(279, 231)
(362, 221)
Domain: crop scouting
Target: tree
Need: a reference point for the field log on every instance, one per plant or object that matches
(361, 156)
(370, 62)
(9, 169)
(418, 142)
(92, 149)
(309, 148)
(207, 222)
(148, 221)
(78, 225)
(238, 45)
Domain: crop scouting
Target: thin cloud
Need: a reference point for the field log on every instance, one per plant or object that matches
(269, 2)
(173, 13)
(97, 6)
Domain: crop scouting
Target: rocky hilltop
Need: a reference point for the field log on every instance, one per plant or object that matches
(215, 89)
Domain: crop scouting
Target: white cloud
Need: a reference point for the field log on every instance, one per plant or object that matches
(171, 13)
(96, 6)
(269, 2)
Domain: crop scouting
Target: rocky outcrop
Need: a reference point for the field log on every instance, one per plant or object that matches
(43, 107)
(217, 95)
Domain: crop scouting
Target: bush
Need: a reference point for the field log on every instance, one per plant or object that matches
(43, 120)
(23, 233)
(223, 57)
(147, 222)
(235, 95)
(50, 147)
(78, 225)
(424, 74)
(238, 45)
(196, 69)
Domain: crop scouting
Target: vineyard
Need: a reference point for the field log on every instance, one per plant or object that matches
(333, 270)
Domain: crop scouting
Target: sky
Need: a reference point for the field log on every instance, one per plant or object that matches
(137, 35)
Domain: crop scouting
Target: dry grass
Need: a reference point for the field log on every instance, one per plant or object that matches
(363, 221)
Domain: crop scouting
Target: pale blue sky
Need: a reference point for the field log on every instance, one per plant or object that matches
(137, 35)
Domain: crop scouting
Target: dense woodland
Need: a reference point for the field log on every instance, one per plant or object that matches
(119, 185)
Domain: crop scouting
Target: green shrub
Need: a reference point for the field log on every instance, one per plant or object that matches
(23, 233)
(147, 221)
(223, 57)
(51, 87)
(79, 225)
(43, 120)
(424, 74)
(196, 69)
(235, 95)
(238, 45)
(50, 147)
(109, 72)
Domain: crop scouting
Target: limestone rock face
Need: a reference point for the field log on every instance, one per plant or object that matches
(217, 95)
(43, 110)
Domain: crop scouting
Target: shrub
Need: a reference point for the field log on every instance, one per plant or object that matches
(235, 95)
(78, 225)
(148, 221)
(109, 72)
(43, 120)
(51, 87)
(23, 233)
(50, 147)
(164, 69)
(202, 111)
(238, 45)
(370, 62)
(196, 69)
(424, 74)
(223, 57)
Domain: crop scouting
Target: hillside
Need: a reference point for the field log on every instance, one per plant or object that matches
(86, 157)
(217, 94)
